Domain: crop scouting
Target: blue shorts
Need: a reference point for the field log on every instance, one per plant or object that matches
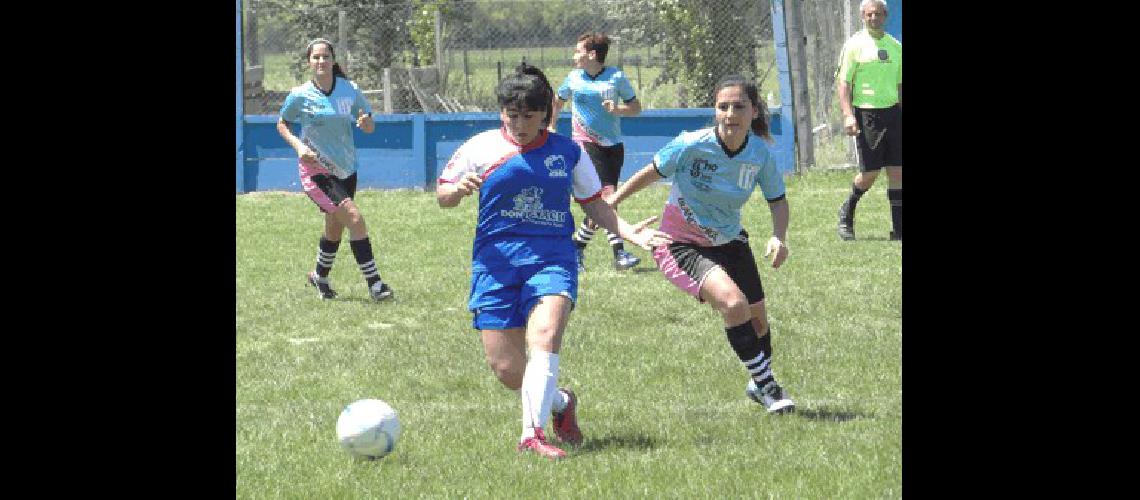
(503, 298)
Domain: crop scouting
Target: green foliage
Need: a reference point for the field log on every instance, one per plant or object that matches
(662, 394)
(705, 41)
(421, 26)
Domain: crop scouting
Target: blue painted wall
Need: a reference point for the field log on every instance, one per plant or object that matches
(409, 150)
(784, 77)
(894, 19)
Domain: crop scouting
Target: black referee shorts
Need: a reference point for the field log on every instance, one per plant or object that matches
(880, 137)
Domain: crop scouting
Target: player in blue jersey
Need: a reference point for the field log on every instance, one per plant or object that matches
(714, 172)
(524, 279)
(327, 106)
(601, 96)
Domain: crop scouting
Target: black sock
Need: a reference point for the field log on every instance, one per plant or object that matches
(326, 254)
(753, 351)
(895, 195)
(853, 200)
(616, 243)
(362, 250)
(584, 234)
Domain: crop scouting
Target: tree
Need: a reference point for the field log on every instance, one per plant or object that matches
(708, 40)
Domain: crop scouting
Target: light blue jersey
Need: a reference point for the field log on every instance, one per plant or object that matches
(710, 187)
(327, 121)
(592, 123)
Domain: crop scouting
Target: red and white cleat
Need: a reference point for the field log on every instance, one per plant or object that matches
(539, 445)
(566, 421)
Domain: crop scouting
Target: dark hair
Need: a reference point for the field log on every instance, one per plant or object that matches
(527, 89)
(336, 66)
(597, 42)
(760, 123)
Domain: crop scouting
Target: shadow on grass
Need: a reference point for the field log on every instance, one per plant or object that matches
(873, 238)
(633, 442)
(829, 414)
(364, 300)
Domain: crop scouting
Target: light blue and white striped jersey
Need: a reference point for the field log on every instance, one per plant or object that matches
(591, 121)
(710, 187)
(327, 121)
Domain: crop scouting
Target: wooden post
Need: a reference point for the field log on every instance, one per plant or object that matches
(438, 41)
(848, 27)
(342, 33)
(638, 64)
(801, 101)
(388, 91)
(466, 74)
(251, 55)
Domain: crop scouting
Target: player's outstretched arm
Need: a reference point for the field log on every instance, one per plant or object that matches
(638, 234)
(644, 177)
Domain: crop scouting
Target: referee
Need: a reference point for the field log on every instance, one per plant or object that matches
(869, 82)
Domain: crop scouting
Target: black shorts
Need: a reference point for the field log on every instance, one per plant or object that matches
(686, 266)
(880, 137)
(607, 161)
(330, 191)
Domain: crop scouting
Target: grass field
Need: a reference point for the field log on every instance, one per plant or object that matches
(662, 394)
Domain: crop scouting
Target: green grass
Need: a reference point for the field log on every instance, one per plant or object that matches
(662, 402)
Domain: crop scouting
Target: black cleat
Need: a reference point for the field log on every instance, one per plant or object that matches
(380, 291)
(846, 227)
(322, 284)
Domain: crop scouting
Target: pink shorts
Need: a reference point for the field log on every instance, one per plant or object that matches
(325, 189)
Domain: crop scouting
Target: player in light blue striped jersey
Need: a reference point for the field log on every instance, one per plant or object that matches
(714, 172)
(601, 96)
(327, 107)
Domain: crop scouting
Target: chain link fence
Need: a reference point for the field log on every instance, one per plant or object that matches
(444, 56)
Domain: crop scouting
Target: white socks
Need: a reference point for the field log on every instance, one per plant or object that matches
(539, 388)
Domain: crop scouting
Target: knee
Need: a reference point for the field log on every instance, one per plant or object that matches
(509, 374)
(354, 216)
(732, 305)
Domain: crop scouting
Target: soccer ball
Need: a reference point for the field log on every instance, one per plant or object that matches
(368, 428)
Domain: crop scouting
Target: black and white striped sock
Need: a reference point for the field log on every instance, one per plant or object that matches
(616, 243)
(362, 250)
(326, 254)
(584, 235)
(754, 352)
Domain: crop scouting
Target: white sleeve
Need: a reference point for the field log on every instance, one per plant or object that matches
(459, 164)
(587, 186)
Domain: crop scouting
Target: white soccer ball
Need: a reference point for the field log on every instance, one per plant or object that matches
(368, 428)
